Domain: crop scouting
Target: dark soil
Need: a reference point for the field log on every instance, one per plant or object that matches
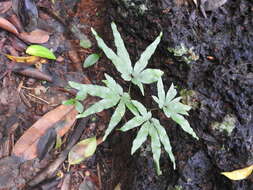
(222, 78)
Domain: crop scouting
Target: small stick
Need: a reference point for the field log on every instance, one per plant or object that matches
(99, 177)
(36, 97)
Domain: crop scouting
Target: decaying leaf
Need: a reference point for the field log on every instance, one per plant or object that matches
(6, 25)
(37, 36)
(60, 119)
(82, 150)
(118, 187)
(89, 183)
(239, 174)
(29, 59)
(10, 177)
(31, 72)
(40, 51)
(5, 6)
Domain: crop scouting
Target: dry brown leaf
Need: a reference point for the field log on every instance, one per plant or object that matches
(37, 36)
(61, 119)
(6, 25)
(5, 6)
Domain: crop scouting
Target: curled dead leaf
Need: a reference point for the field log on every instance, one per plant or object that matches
(61, 119)
(82, 150)
(24, 69)
(239, 174)
(6, 25)
(37, 36)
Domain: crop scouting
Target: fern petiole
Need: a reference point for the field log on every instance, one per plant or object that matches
(129, 88)
(154, 109)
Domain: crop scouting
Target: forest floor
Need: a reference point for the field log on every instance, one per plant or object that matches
(215, 78)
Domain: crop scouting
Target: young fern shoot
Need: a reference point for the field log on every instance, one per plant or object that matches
(172, 107)
(149, 127)
(112, 95)
(138, 75)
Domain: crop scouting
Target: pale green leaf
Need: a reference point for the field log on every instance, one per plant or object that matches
(141, 108)
(161, 93)
(134, 122)
(40, 51)
(141, 137)
(76, 85)
(121, 49)
(149, 76)
(178, 108)
(164, 139)
(98, 107)
(91, 60)
(111, 83)
(69, 102)
(172, 92)
(118, 63)
(184, 124)
(81, 95)
(116, 118)
(156, 148)
(139, 84)
(132, 108)
(82, 150)
(79, 106)
(174, 101)
(85, 43)
(93, 90)
(156, 100)
(146, 55)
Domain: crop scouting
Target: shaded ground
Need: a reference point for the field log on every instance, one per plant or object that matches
(221, 78)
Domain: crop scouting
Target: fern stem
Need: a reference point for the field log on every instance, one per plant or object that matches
(154, 109)
(129, 89)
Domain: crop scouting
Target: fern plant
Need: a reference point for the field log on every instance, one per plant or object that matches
(113, 95)
(138, 75)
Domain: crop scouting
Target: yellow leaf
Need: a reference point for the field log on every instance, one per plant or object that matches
(239, 174)
(29, 59)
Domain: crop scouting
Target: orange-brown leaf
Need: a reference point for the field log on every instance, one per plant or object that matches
(37, 36)
(6, 25)
(61, 119)
(29, 59)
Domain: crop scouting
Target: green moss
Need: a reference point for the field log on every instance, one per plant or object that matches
(189, 97)
(227, 125)
(140, 7)
(177, 187)
(186, 55)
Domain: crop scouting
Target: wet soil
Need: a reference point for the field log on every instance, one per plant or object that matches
(221, 78)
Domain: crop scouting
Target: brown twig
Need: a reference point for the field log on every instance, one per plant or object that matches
(36, 97)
